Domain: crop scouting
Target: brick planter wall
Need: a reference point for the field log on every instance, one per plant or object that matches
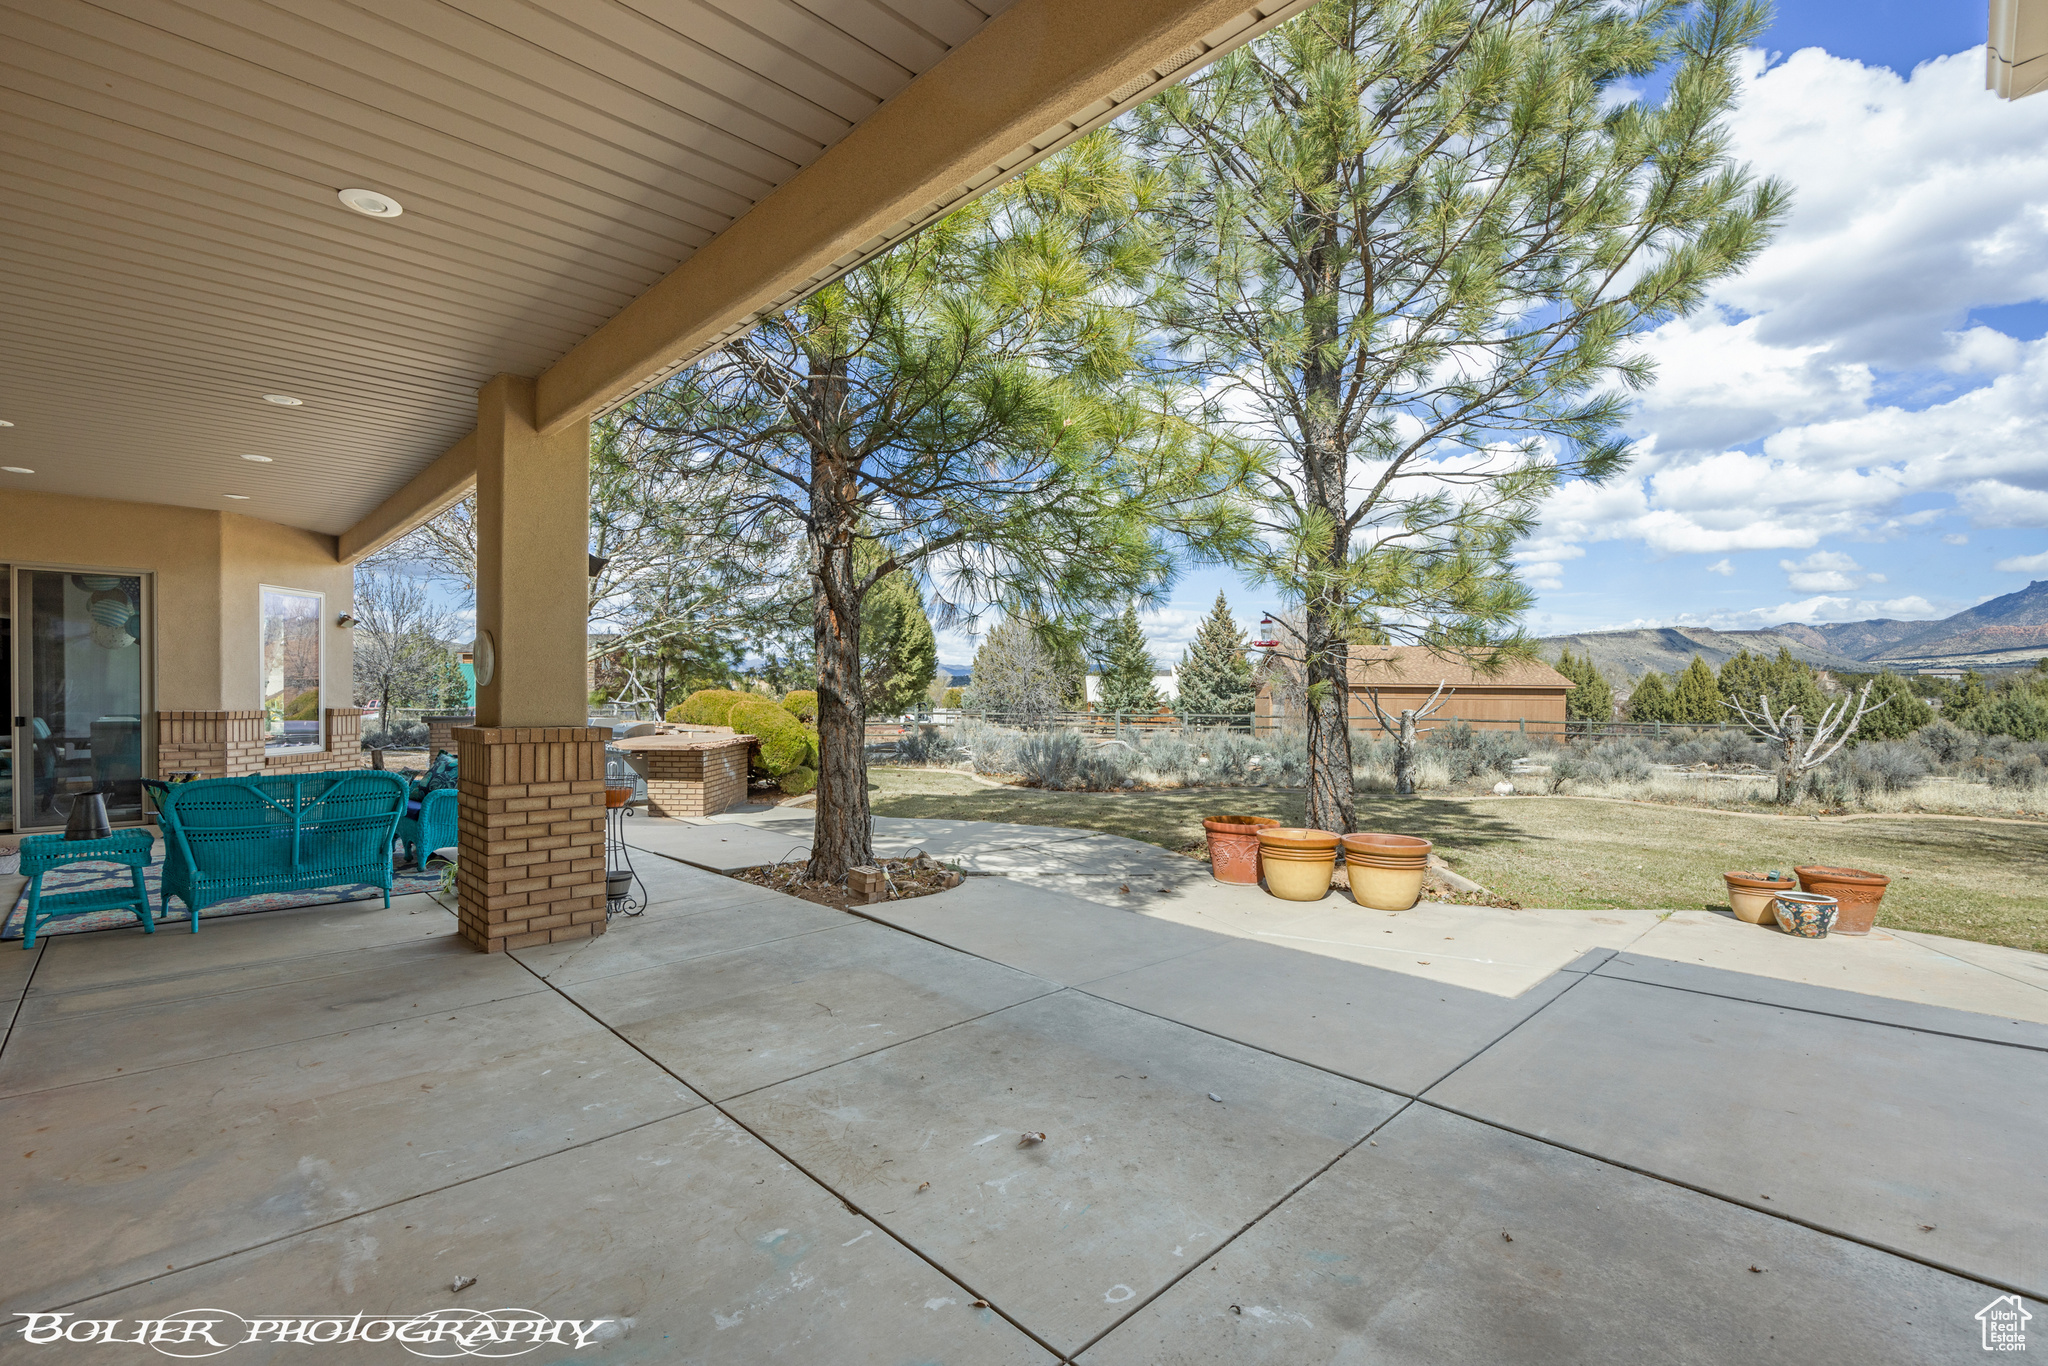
(530, 842)
(229, 744)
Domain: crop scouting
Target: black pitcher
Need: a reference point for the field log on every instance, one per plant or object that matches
(88, 817)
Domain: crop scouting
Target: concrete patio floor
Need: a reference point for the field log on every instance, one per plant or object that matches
(745, 1128)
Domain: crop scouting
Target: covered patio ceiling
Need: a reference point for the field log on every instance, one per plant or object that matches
(593, 192)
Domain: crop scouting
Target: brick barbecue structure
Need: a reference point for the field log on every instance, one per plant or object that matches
(691, 770)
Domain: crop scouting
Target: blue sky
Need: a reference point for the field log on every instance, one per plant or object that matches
(1859, 426)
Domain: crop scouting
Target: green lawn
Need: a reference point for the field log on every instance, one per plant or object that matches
(1977, 880)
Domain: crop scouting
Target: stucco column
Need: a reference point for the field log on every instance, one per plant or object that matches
(530, 855)
(532, 561)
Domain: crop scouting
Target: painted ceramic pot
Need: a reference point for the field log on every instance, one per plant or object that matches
(1858, 892)
(1234, 847)
(1804, 914)
(1750, 896)
(1297, 863)
(1385, 871)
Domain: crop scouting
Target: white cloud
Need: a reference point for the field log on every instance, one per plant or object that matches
(1808, 611)
(2024, 564)
(1827, 571)
(1955, 538)
(1842, 364)
(1722, 567)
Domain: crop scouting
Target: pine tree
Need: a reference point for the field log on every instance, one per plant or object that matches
(899, 658)
(1792, 684)
(1128, 668)
(1651, 699)
(1697, 698)
(1591, 697)
(1899, 715)
(972, 401)
(1411, 242)
(1215, 675)
(1746, 677)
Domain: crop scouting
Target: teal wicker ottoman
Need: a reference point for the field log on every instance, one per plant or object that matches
(42, 853)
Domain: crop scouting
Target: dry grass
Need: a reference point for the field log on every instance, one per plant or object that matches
(1971, 879)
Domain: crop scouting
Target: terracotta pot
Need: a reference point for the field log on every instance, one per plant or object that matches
(1750, 896)
(1805, 914)
(1234, 847)
(1297, 863)
(1385, 871)
(1857, 891)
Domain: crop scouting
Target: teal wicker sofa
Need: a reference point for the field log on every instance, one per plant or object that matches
(231, 837)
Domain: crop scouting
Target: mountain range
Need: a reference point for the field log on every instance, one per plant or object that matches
(2005, 632)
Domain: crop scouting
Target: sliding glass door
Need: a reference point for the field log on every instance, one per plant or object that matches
(80, 648)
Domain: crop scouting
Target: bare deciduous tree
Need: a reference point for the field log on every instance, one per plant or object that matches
(1799, 753)
(402, 643)
(1404, 734)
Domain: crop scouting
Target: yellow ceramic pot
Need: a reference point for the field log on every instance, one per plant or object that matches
(1385, 871)
(1750, 896)
(1297, 863)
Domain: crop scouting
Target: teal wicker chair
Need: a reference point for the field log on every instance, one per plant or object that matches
(232, 837)
(431, 827)
(429, 820)
(42, 853)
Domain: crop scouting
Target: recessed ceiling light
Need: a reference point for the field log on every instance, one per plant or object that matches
(284, 400)
(371, 204)
(16, 469)
(259, 459)
(6, 424)
(239, 497)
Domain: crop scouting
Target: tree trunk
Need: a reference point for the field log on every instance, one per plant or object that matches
(1331, 805)
(843, 836)
(1404, 757)
(844, 833)
(1325, 486)
(1789, 771)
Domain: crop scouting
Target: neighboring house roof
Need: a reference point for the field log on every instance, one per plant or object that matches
(1416, 666)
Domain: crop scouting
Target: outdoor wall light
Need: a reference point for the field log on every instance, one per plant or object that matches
(484, 653)
(344, 620)
(6, 424)
(238, 497)
(16, 469)
(259, 459)
(284, 400)
(370, 204)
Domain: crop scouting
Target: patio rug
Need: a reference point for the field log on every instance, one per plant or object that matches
(95, 876)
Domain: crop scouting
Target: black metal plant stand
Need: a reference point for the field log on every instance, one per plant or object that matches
(620, 877)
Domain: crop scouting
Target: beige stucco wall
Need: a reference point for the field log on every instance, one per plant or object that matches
(254, 553)
(209, 568)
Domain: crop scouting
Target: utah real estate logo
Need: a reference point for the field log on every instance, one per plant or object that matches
(2005, 1324)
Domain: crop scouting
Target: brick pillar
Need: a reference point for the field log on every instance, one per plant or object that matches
(530, 843)
(441, 732)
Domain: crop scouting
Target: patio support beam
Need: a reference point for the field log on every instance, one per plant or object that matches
(532, 561)
(1021, 86)
(425, 496)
